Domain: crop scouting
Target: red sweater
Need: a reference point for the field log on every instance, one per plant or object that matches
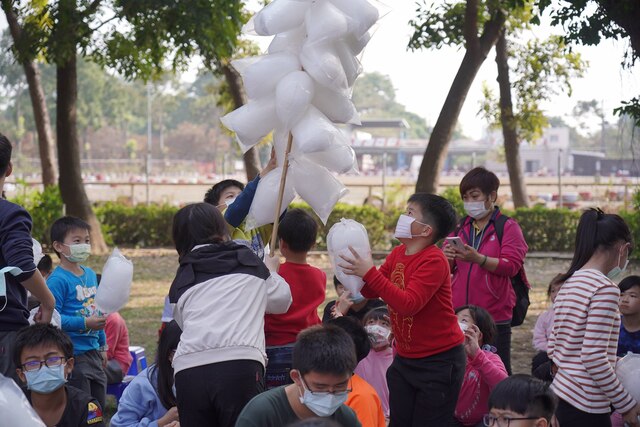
(118, 341)
(308, 285)
(417, 289)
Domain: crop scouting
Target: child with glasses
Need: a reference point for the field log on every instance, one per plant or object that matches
(521, 401)
(44, 356)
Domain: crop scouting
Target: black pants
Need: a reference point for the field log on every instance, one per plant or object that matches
(570, 416)
(424, 392)
(214, 395)
(88, 375)
(503, 345)
(541, 366)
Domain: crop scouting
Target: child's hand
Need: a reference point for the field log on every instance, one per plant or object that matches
(96, 323)
(272, 262)
(631, 418)
(105, 359)
(271, 165)
(342, 305)
(356, 266)
(169, 418)
(471, 341)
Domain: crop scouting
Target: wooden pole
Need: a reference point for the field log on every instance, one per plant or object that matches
(283, 181)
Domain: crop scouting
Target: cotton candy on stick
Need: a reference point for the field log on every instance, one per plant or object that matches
(252, 122)
(265, 200)
(343, 234)
(278, 16)
(115, 285)
(293, 96)
(261, 74)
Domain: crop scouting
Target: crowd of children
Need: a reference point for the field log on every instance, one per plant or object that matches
(242, 343)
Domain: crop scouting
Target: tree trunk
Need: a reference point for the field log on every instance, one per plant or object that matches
(70, 180)
(38, 103)
(251, 159)
(509, 131)
(477, 49)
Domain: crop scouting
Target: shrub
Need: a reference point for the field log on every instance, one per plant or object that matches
(139, 226)
(44, 207)
(548, 230)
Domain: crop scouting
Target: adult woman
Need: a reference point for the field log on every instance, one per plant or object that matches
(149, 400)
(482, 270)
(587, 323)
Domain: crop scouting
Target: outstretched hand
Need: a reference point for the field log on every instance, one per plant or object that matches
(271, 165)
(356, 265)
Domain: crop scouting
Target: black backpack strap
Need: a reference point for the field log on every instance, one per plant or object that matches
(460, 228)
(498, 224)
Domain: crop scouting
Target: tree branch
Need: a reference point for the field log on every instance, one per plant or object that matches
(471, 26)
(104, 23)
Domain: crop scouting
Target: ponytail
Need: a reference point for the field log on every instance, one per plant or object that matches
(596, 229)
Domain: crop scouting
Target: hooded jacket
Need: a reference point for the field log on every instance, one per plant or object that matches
(221, 293)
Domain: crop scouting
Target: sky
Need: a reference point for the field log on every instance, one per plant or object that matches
(422, 79)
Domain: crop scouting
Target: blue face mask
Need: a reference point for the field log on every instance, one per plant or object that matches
(46, 380)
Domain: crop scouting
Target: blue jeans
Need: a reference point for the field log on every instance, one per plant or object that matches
(278, 366)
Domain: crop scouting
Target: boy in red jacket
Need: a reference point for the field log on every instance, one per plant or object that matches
(297, 235)
(427, 371)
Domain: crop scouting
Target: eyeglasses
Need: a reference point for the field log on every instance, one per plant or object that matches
(35, 365)
(502, 421)
(324, 392)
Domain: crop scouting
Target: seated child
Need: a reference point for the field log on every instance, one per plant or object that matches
(363, 398)
(348, 307)
(149, 398)
(297, 235)
(45, 265)
(324, 358)
(629, 340)
(44, 357)
(118, 356)
(74, 287)
(541, 365)
(521, 401)
(373, 368)
(484, 367)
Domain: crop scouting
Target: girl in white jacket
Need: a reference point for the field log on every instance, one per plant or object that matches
(221, 293)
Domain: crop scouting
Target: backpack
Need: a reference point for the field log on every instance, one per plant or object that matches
(519, 282)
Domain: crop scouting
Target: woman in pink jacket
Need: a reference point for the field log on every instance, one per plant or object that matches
(483, 267)
(484, 368)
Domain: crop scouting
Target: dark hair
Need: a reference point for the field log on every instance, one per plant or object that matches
(629, 282)
(315, 422)
(63, 226)
(374, 314)
(5, 153)
(212, 196)
(437, 212)
(596, 230)
(45, 264)
(336, 282)
(525, 395)
(324, 349)
(198, 224)
(483, 321)
(481, 178)
(169, 339)
(299, 230)
(357, 332)
(555, 281)
(38, 335)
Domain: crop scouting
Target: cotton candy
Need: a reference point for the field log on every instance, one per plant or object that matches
(252, 122)
(363, 13)
(37, 251)
(289, 41)
(263, 207)
(56, 320)
(293, 96)
(115, 285)
(322, 63)
(628, 372)
(261, 74)
(324, 21)
(335, 105)
(357, 44)
(338, 157)
(277, 16)
(350, 64)
(317, 186)
(343, 234)
(14, 406)
(314, 132)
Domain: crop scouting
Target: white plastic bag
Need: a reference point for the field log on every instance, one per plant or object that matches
(289, 41)
(628, 372)
(56, 320)
(317, 186)
(263, 207)
(14, 406)
(322, 63)
(314, 132)
(335, 105)
(357, 44)
(324, 21)
(293, 96)
(37, 251)
(115, 285)
(343, 234)
(261, 74)
(252, 122)
(277, 16)
(280, 140)
(338, 158)
(363, 14)
(350, 64)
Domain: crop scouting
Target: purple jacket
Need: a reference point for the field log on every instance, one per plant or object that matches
(472, 284)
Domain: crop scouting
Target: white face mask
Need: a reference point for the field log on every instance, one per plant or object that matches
(379, 335)
(476, 210)
(227, 203)
(403, 227)
(323, 404)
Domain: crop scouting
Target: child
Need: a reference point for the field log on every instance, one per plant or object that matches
(323, 360)
(221, 293)
(586, 326)
(484, 367)
(297, 235)
(373, 368)
(118, 356)
(45, 265)
(44, 356)
(521, 401)
(16, 250)
(348, 307)
(363, 398)
(149, 398)
(426, 374)
(74, 286)
(629, 340)
(541, 365)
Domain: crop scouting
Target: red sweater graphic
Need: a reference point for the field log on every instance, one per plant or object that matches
(308, 285)
(417, 289)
